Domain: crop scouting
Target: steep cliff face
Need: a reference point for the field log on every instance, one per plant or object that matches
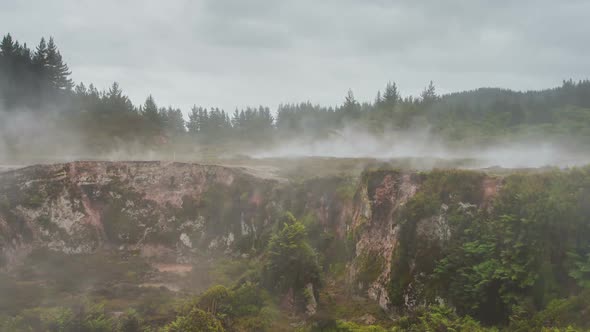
(82, 206)
(484, 245)
(375, 230)
(401, 223)
(172, 210)
(387, 225)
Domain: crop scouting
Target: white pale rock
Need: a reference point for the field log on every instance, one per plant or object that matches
(186, 240)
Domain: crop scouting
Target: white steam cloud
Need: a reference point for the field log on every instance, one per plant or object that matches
(28, 137)
(353, 142)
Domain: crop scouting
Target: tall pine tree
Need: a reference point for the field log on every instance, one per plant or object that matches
(391, 95)
(429, 95)
(57, 70)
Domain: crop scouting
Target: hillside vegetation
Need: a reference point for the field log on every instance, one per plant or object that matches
(184, 247)
(45, 114)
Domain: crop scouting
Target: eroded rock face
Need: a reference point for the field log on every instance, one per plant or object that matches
(311, 305)
(375, 224)
(397, 240)
(80, 207)
(174, 211)
(156, 207)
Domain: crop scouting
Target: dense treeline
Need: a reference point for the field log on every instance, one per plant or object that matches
(39, 81)
(32, 78)
(36, 85)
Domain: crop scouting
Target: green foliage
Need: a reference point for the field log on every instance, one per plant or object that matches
(59, 319)
(516, 255)
(500, 262)
(82, 318)
(213, 298)
(96, 319)
(226, 270)
(438, 318)
(329, 248)
(343, 326)
(195, 320)
(289, 218)
(130, 321)
(13, 324)
(439, 188)
(370, 267)
(291, 262)
(346, 191)
(568, 314)
(252, 308)
(245, 307)
(581, 269)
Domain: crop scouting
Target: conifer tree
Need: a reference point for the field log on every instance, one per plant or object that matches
(378, 99)
(150, 109)
(429, 95)
(7, 46)
(40, 58)
(351, 107)
(81, 89)
(57, 71)
(193, 123)
(391, 95)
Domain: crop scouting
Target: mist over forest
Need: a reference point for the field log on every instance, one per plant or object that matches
(462, 211)
(47, 117)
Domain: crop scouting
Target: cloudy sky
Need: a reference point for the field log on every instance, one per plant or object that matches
(233, 53)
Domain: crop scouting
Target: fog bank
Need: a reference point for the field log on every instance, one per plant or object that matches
(420, 144)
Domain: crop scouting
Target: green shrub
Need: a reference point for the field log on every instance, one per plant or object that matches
(130, 321)
(291, 262)
(438, 318)
(195, 320)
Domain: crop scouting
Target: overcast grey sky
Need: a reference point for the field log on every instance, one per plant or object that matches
(233, 53)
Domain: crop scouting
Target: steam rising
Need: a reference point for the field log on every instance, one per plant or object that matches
(419, 143)
(38, 137)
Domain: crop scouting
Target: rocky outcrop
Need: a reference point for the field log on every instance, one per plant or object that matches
(375, 227)
(400, 224)
(311, 305)
(80, 207)
(156, 207)
(176, 211)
